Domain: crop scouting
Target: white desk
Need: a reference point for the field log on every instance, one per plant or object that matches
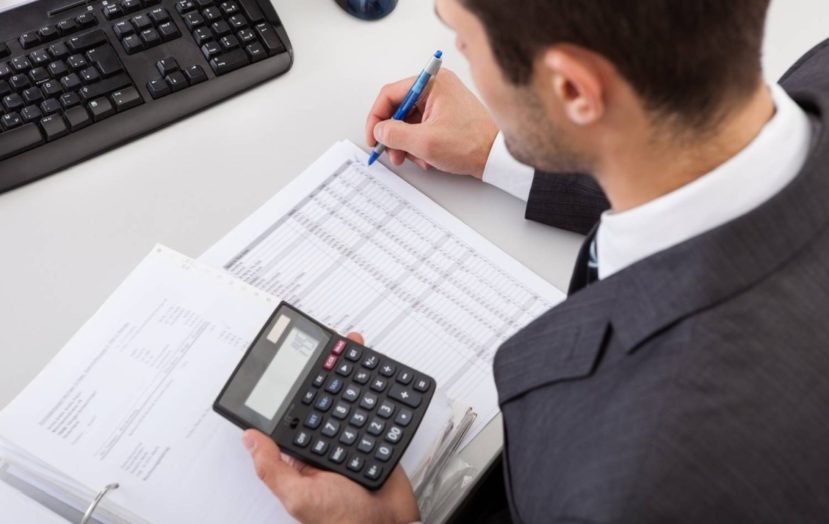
(68, 240)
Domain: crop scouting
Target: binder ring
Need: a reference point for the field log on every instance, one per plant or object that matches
(98, 498)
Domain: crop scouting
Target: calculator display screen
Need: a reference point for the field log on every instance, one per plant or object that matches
(297, 348)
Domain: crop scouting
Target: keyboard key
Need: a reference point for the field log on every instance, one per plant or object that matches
(159, 15)
(269, 37)
(221, 28)
(68, 100)
(202, 35)
(195, 74)
(376, 426)
(324, 403)
(132, 44)
(5, 70)
(211, 14)
(71, 82)
(105, 86)
(404, 377)
(141, 22)
(166, 66)
(308, 397)
(229, 61)
(302, 438)
(368, 401)
(84, 41)
(39, 74)
(90, 75)
(251, 10)
(384, 452)
(341, 410)
(123, 29)
(150, 37)
(67, 26)
(319, 380)
(394, 435)
(86, 19)
(378, 384)
(422, 384)
(349, 436)
(386, 409)
(344, 369)
(338, 455)
(366, 444)
(387, 369)
(18, 139)
(374, 472)
(339, 347)
(77, 117)
(353, 354)
(358, 419)
(11, 120)
(53, 127)
(48, 32)
(403, 418)
(313, 420)
(335, 384)
(246, 36)
(21, 64)
(185, 6)
(58, 50)
(101, 108)
(355, 463)
(126, 98)
(237, 22)
(352, 393)
(362, 376)
(320, 447)
(105, 59)
(168, 31)
(39, 57)
(330, 428)
(58, 68)
(29, 39)
(49, 106)
(256, 52)
(112, 11)
(13, 102)
(193, 20)
(211, 49)
(51, 88)
(130, 6)
(76, 62)
(229, 8)
(405, 395)
(31, 114)
(33, 95)
(19, 82)
(371, 362)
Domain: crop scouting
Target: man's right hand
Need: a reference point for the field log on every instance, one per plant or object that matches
(449, 129)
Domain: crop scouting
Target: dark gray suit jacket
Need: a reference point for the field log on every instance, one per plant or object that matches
(692, 386)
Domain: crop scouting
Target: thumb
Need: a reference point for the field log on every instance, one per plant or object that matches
(277, 474)
(396, 134)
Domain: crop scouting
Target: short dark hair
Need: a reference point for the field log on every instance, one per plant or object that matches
(683, 57)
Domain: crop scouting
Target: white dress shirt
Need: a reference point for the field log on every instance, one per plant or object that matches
(741, 184)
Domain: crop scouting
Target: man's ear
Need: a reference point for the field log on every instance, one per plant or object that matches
(576, 82)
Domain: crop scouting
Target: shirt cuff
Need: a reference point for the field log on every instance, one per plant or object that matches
(506, 173)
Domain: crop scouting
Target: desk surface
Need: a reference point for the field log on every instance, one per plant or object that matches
(68, 240)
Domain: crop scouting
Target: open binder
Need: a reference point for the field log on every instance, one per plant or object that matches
(120, 419)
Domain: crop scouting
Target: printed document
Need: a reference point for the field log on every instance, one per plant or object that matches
(360, 249)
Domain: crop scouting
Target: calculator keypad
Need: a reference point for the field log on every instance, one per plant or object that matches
(359, 409)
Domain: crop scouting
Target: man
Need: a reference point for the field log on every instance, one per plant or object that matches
(685, 378)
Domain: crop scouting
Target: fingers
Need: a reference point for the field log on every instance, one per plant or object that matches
(404, 137)
(390, 97)
(277, 474)
(356, 337)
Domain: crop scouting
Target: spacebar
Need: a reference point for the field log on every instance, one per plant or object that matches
(19, 139)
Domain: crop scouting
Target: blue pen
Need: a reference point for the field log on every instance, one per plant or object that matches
(412, 97)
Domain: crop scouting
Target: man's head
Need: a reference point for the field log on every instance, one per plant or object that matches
(560, 75)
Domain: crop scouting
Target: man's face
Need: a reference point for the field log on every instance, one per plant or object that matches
(535, 130)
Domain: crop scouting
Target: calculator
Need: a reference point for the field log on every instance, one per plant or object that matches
(325, 399)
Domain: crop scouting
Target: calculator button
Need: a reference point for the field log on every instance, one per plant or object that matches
(356, 463)
(302, 439)
(386, 409)
(387, 369)
(366, 444)
(309, 396)
(405, 376)
(358, 419)
(319, 380)
(362, 377)
(330, 362)
(349, 436)
(384, 452)
(378, 384)
(421, 384)
(320, 447)
(368, 401)
(374, 472)
(371, 362)
(341, 410)
(353, 354)
(394, 435)
(403, 417)
(338, 455)
(339, 347)
(376, 426)
(331, 428)
(324, 403)
(344, 369)
(352, 393)
(313, 421)
(334, 386)
(406, 396)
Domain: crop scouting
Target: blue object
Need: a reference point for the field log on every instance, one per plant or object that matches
(412, 97)
(368, 9)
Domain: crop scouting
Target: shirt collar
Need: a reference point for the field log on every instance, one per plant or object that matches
(744, 182)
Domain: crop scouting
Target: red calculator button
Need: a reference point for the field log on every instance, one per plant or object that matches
(330, 362)
(339, 347)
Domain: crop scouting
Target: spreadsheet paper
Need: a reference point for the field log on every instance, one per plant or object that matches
(360, 249)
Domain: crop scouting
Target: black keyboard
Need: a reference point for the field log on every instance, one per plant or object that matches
(80, 77)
